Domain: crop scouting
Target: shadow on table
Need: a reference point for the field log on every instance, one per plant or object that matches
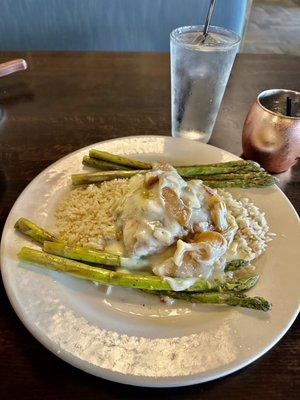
(13, 93)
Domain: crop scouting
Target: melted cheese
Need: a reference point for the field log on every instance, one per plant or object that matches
(159, 210)
(149, 223)
(178, 284)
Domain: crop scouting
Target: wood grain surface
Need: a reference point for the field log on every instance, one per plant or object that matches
(65, 101)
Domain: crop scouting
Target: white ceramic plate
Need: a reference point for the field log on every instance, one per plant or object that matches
(127, 336)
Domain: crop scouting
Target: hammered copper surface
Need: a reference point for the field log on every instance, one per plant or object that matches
(271, 139)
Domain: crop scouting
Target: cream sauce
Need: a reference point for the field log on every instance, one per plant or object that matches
(115, 247)
(147, 224)
(178, 284)
(159, 210)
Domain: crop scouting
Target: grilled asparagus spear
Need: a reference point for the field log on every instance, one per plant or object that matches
(238, 173)
(98, 177)
(117, 278)
(240, 166)
(103, 258)
(240, 183)
(115, 159)
(52, 245)
(231, 299)
(244, 180)
(233, 265)
(102, 165)
(150, 283)
(93, 256)
(204, 169)
(34, 231)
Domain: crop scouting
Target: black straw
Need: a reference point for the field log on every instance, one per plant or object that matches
(288, 107)
(208, 18)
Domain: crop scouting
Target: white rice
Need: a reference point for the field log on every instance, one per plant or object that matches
(87, 216)
(253, 234)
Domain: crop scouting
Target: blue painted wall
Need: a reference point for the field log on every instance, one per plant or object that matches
(137, 25)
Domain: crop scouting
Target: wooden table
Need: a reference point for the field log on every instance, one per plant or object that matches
(68, 100)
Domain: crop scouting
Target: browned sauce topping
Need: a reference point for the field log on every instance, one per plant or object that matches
(175, 206)
(150, 180)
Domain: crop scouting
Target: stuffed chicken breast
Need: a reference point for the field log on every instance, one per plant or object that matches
(162, 210)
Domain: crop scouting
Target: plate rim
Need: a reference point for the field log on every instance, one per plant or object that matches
(142, 381)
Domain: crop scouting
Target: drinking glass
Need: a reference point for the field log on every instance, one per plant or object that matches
(199, 75)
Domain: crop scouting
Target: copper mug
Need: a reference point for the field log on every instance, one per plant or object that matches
(271, 137)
